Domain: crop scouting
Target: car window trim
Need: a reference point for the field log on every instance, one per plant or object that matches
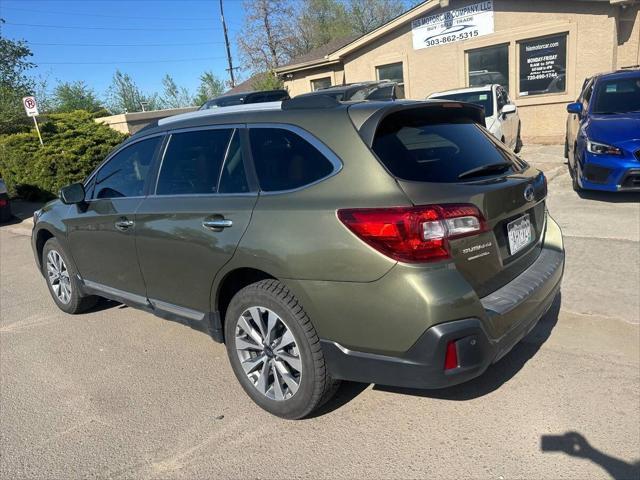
(224, 159)
(120, 148)
(324, 150)
(234, 127)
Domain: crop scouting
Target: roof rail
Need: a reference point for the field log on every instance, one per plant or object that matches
(312, 101)
(212, 112)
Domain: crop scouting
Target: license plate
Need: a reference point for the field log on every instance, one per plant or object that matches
(519, 232)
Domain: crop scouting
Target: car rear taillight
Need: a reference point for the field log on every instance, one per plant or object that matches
(413, 234)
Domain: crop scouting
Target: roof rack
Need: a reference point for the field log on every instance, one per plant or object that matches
(312, 101)
(212, 112)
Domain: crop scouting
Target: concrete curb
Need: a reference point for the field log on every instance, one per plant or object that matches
(23, 228)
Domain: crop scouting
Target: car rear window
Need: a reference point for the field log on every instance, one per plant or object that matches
(483, 99)
(435, 145)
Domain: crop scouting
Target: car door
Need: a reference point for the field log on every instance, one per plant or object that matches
(101, 231)
(505, 120)
(192, 223)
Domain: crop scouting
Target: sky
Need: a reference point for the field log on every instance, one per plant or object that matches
(89, 39)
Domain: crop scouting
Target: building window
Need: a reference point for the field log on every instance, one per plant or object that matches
(320, 83)
(392, 72)
(489, 65)
(543, 65)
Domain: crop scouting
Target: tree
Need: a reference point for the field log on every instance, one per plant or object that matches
(263, 40)
(124, 95)
(74, 144)
(367, 15)
(267, 81)
(316, 23)
(210, 87)
(70, 96)
(174, 96)
(14, 84)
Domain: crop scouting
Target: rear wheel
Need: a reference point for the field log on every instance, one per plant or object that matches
(275, 352)
(62, 279)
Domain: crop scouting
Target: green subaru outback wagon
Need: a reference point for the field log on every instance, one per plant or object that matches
(389, 242)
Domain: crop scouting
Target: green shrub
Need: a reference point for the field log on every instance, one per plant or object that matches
(74, 144)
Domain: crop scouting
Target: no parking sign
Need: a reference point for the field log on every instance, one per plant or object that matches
(30, 106)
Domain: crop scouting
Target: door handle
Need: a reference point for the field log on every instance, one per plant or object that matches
(218, 224)
(124, 224)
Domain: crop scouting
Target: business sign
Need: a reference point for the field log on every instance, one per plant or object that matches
(452, 26)
(543, 65)
(30, 106)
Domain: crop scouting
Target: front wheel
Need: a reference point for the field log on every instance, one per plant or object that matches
(62, 279)
(275, 352)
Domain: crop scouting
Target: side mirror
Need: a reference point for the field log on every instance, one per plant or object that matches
(575, 108)
(509, 108)
(72, 194)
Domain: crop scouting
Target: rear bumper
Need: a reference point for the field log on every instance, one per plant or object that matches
(522, 303)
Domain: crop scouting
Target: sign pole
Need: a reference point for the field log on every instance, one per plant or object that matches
(38, 130)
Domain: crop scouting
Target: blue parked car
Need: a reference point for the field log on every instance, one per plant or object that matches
(602, 142)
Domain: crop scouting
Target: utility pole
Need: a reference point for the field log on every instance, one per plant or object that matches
(226, 41)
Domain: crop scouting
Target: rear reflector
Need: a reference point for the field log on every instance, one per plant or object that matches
(451, 357)
(414, 234)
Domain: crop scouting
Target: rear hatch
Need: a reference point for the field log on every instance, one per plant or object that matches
(441, 154)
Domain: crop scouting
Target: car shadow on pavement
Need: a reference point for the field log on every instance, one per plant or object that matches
(575, 445)
(499, 373)
(610, 197)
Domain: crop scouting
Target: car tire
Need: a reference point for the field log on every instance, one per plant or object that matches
(518, 141)
(574, 179)
(288, 378)
(62, 279)
(566, 148)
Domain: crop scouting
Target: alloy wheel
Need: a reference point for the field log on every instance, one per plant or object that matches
(268, 353)
(58, 276)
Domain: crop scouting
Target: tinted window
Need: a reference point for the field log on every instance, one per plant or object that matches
(435, 147)
(489, 65)
(392, 72)
(618, 96)
(382, 93)
(233, 178)
(483, 99)
(285, 161)
(320, 83)
(543, 65)
(192, 162)
(125, 173)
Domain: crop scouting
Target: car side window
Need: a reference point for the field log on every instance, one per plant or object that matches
(125, 173)
(233, 178)
(501, 98)
(192, 162)
(284, 160)
(587, 94)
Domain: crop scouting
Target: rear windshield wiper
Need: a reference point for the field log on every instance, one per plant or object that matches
(486, 169)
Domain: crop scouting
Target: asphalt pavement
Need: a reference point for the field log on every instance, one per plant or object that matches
(118, 393)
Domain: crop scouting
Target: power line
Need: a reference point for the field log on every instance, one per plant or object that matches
(131, 61)
(99, 15)
(125, 44)
(107, 28)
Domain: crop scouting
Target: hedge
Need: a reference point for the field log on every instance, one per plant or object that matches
(74, 144)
